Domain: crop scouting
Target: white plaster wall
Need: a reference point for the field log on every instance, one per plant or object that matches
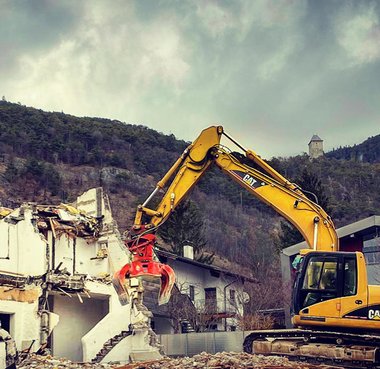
(111, 325)
(98, 289)
(75, 320)
(64, 252)
(2, 355)
(187, 275)
(200, 278)
(118, 253)
(26, 253)
(85, 262)
(24, 322)
(117, 320)
(88, 202)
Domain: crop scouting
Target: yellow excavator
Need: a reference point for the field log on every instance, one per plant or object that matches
(335, 313)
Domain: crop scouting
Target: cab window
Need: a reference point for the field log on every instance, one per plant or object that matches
(350, 277)
(320, 281)
(321, 275)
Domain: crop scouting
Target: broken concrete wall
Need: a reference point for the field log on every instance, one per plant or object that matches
(21, 243)
(59, 259)
(76, 319)
(120, 317)
(20, 259)
(24, 322)
(95, 203)
(2, 355)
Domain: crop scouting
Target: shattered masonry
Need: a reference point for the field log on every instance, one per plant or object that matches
(55, 268)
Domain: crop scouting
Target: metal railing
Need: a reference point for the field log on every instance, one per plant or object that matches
(217, 306)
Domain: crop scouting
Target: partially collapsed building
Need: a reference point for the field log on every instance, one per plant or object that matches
(56, 264)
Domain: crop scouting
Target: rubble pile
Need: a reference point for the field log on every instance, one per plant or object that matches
(222, 360)
(49, 362)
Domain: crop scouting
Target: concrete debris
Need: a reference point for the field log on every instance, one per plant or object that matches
(66, 281)
(48, 362)
(67, 219)
(222, 360)
(59, 219)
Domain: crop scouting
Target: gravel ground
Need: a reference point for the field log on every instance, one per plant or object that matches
(223, 360)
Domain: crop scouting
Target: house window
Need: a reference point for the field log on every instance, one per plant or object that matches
(210, 300)
(192, 292)
(232, 297)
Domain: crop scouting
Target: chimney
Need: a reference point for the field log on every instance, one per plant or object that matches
(188, 252)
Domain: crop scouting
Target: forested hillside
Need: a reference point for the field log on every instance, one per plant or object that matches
(52, 157)
(368, 151)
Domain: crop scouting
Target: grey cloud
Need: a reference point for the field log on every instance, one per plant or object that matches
(31, 27)
(273, 73)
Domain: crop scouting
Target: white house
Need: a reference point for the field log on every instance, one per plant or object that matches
(55, 290)
(205, 298)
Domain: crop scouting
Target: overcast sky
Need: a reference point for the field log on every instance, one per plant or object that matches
(273, 73)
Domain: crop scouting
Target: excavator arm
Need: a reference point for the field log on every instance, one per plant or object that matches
(285, 198)
(265, 183)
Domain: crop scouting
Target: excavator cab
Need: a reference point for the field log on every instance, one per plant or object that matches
(330, 288)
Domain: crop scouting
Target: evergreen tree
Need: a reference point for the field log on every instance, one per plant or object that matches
(185, 226)
(313, 188)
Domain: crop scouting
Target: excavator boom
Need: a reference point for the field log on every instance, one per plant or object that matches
(266, 184)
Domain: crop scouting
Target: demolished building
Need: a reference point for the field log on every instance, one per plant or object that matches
(56, 264)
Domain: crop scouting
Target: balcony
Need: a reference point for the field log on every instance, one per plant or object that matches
(216, 308)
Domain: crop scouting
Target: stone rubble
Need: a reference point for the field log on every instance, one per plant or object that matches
(223, 360)
(48, 362)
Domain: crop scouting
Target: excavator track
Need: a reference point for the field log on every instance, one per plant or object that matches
(340, 349)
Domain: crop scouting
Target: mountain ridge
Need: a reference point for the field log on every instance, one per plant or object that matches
(53, 157)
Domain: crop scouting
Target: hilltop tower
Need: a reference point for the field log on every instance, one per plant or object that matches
(315, 147)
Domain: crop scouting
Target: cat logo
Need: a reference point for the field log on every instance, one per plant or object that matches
(374, 314)
(249, 180)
